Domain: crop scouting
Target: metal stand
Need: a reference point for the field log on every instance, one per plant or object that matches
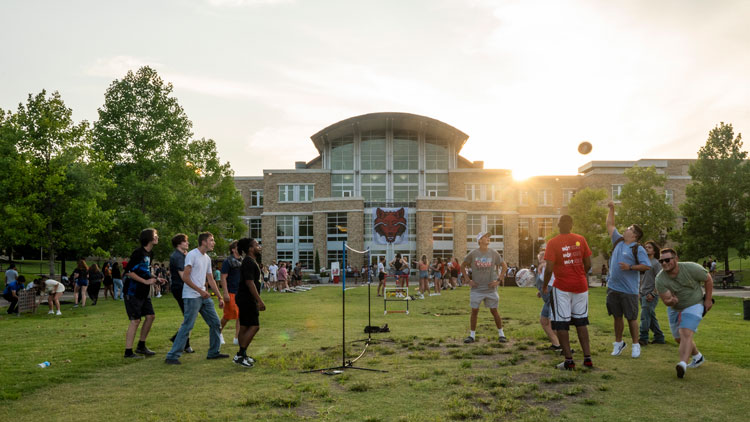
(348, 364)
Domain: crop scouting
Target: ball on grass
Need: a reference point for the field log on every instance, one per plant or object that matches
(585, 147)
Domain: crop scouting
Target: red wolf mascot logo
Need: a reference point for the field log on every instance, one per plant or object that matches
(390, 224)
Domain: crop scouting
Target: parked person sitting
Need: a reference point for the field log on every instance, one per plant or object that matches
(728, 279)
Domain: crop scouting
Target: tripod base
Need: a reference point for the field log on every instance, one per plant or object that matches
(348, 365)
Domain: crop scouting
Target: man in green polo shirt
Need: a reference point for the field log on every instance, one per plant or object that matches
(679, 286)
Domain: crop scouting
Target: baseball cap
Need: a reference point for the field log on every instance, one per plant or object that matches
(481, 235)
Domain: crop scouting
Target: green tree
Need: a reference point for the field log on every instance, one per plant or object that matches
(716, 206)
(58, 191)
(589, 218)
(642, 204)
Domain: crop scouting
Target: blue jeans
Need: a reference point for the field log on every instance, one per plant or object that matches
(118, 287)
(193, 306)
(649, 321)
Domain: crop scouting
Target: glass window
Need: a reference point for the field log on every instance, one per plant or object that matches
(286, 193)
(255, 228)
(568, 195)
(305, 229)
(306, 258)
(405, 187)
(286, 256)
(473, 192)
(616, 191)
(492, 192)
(336, 255)
(445, 254)
(256, 198)
(436, 184)
(296, 193)
(373, 187)
(436, 154)
(337, 228)
(372, 150)
(523, 228)
(545, 197)
(405, 150)
(495, 227)
(546, 227)
(342, 153)
(473, 227)
(669, 196)
(306, 193)
(342, 185)
(442, 226)
(285, 229)
(523, 197)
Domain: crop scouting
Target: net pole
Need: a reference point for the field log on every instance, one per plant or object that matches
(343, 305)
(369, 281)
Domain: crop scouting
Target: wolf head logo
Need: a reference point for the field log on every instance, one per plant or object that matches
(390, 224)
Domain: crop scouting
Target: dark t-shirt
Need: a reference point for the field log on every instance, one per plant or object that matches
(116, 272)
(231, 267)
(176, 264)
(82, 274)
(249, 271)
(139, 263)
(95, 276)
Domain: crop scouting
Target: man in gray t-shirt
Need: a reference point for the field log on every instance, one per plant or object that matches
(484, 264)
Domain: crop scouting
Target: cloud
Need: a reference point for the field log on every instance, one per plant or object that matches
(241, 3)
(117, 66)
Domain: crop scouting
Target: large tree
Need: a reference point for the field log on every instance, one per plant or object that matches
(163, 179)
(716, 206)
(57, 190)
(589, 218)
(644, 203)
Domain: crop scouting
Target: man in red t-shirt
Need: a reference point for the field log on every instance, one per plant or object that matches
(568, 256)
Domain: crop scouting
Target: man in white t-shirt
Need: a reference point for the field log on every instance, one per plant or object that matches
(197, 300)
(273, 270)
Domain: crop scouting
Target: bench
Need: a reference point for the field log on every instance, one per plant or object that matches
(721, 280)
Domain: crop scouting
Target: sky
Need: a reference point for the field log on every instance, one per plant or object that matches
(526, 80)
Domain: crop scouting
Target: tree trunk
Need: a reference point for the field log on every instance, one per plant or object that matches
(52, 262)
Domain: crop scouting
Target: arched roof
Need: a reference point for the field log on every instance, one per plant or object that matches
(390, 120)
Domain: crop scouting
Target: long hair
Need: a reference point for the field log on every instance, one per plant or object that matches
(655, 247)
(82, 265)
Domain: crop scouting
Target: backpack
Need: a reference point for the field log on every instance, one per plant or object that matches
(634, 248)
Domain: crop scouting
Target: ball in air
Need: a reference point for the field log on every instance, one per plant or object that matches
(585, 147)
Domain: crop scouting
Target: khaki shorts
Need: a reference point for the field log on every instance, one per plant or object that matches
(490, 299)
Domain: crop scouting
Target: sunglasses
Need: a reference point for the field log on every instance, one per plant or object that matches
(665, 260)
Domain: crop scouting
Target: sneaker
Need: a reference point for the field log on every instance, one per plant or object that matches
(618, 348)
(243, 361)
(145, 351)
(51, 312)
(189, 350)
(133, 356)
(588, 363)
(681, 367)
(159, 295)
(221, 338)
(662, 341)
(236, 341)
(643, 342)
(555, 348)
(421, 296)
(172, 362)
(696, 362)
(502, 339)
(635, 351)
(58, 313)
(469, 339)
(566, 365)
(251, 359)
(75, 306)
(219, 356)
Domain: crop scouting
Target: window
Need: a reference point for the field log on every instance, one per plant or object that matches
(437, 183)
(473, 227)
(442, 226)
(256, 198)
(337, 228)
(492, 192)
(335, 255)
(482, 192)
(473, 192)
(436, 154)
(405, 187)
(545, 197)
(296, 193)
(373, 187)
(306, 258)
(444, 254)
(495, 227)
(568, 196)
(305, 229)
(669, 196)
(286, 256)
(524, 226)
(546, 227)
(405, 150)
(254, 225)
(285, 229)
(342, 153)
(523, 197)
(616, 191)
(372, 150)
(342, 185)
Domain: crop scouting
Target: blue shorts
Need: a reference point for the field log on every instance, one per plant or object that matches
(423, 274)
(688, 318)
(546, 312)
(82, 282)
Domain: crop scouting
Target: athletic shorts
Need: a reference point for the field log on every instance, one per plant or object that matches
(567, 308)
(82, 282)
(619, 304)
(60, 288)
(138, 308)
(381, 276)
(688, 318)
(491, 299)
(273, 278)
(230, 309)
(248, 314)
(423, 274)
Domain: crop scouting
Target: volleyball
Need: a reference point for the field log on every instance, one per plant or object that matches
(585, 147)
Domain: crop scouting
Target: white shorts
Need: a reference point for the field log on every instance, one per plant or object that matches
(569, 307)
(272, 278)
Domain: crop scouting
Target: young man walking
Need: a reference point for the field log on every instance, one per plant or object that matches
(487, 272)
(628, 259)
(176, 268)
(248, 300)
(198, 300)
(230, 281)
(137, 286)
(679, 286)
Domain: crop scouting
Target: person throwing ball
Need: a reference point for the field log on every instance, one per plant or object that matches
(485, 277)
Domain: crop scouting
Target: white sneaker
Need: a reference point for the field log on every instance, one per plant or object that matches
(618, 348)
(58, 313)
(635, 350)
(51, 312)
(159, 295)
(696, 362)
(221, 337)
(421, 296)
(236, 342)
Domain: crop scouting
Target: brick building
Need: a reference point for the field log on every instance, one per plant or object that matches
(408, 167)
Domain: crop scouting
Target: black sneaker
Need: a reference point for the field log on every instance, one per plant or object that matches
(172, 362)
(555, 348)
(219, 356)
(243, 361)
(132, 356)
(469, 339)
(189, 350)
(680, 371)
(566, 365)
(145, 351)
(502, 339)
(588, 363)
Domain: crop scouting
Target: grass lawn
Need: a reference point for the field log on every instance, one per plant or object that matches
(432, 375)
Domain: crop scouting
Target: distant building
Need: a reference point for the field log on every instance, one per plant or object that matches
(395, 183)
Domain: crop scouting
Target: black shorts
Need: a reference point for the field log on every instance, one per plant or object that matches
(619, 304)
(381, 276)
(138, 308)
(248, 313)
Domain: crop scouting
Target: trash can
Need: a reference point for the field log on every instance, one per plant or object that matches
(746, 305)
